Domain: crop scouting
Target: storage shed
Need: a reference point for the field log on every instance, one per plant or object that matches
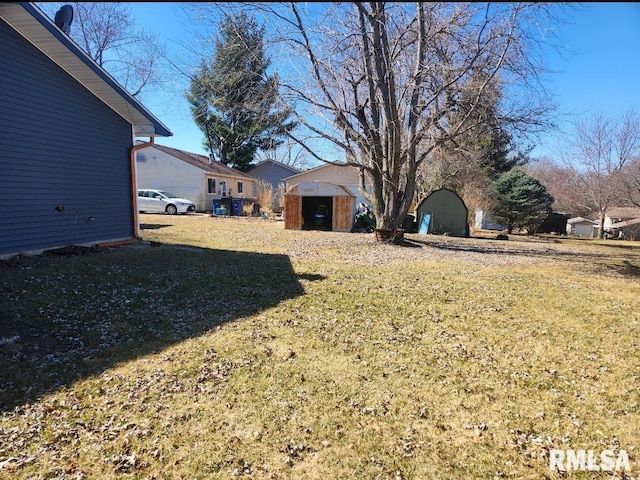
(304, 201)
(582, 227)
(443, 213)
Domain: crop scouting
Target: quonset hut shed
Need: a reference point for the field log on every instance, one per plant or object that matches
(304, 200)
(443, 213)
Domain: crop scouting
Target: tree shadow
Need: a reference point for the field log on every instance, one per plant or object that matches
(72, 316)
(152, 226)
(631, 269)
(608, 263)
(500, 247)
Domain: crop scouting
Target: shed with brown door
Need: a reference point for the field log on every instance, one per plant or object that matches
(319, 206)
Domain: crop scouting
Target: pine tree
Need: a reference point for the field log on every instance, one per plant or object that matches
(521, 201)
(233, 99)
(487, 139)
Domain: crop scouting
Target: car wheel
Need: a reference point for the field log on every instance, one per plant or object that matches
(171, 209)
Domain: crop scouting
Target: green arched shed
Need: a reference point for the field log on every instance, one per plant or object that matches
(443, 213)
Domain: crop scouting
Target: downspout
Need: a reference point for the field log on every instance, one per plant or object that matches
(134, 185)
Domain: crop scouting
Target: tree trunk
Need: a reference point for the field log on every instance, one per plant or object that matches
(601, 225)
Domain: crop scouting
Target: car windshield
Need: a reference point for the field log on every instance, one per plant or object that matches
(165, 194)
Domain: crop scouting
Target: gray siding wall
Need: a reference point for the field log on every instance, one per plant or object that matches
(59, 145)
(274, 174)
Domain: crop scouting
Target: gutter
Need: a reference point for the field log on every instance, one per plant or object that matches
(134, 186)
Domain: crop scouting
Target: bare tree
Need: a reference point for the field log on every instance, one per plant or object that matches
(560, 182)
(598, 149)
(381, 81)
(631, 181)
(107, 33)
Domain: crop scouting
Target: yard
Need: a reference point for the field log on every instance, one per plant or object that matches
(231, 347)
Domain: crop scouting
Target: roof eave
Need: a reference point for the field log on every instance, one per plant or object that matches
(28, 20)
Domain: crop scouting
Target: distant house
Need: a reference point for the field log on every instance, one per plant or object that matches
(67, 145)
(443, 212)
(273, 172)
(623, 222)
(192, 176)
(334, 186)
(581, 227)
(615, 215)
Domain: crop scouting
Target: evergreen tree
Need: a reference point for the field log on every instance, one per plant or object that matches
(486, 139)
(233, 100)
(521, 201)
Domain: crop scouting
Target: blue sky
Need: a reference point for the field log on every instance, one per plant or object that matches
(601, 76)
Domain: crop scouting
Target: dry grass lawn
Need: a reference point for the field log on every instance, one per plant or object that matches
(230, 347)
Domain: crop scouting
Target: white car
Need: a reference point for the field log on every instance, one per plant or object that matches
(159, 201)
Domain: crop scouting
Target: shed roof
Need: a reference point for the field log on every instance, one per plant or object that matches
(575, 220)
(438, 194)
(292, 169)
(36, 27)
(319, 189)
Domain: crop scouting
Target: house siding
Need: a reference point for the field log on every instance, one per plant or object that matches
(342, 175)
(272, 173)
(162, 171)
(59, 145)
(187, 175)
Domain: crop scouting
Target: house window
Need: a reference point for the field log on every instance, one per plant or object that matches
(240, 187)
(212, 185)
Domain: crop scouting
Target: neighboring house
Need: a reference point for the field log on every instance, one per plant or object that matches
(582, 227)
(334, 186)
(273, 172)
(67, 144)
(622, 222)
(192, 176)
(615, 215)
(443, 212)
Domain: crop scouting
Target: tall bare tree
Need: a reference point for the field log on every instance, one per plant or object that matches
(106, 31)
(381, 81)
(631, 181)
(598, 149)
(560, 182)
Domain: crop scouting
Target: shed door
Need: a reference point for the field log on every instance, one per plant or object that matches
(342, 221)
(293, 212)
(424, 224)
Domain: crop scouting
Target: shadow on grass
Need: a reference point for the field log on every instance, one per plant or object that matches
(67, 317)
(152, 226)
(598, 262)
(499, 247)
(631, 269)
